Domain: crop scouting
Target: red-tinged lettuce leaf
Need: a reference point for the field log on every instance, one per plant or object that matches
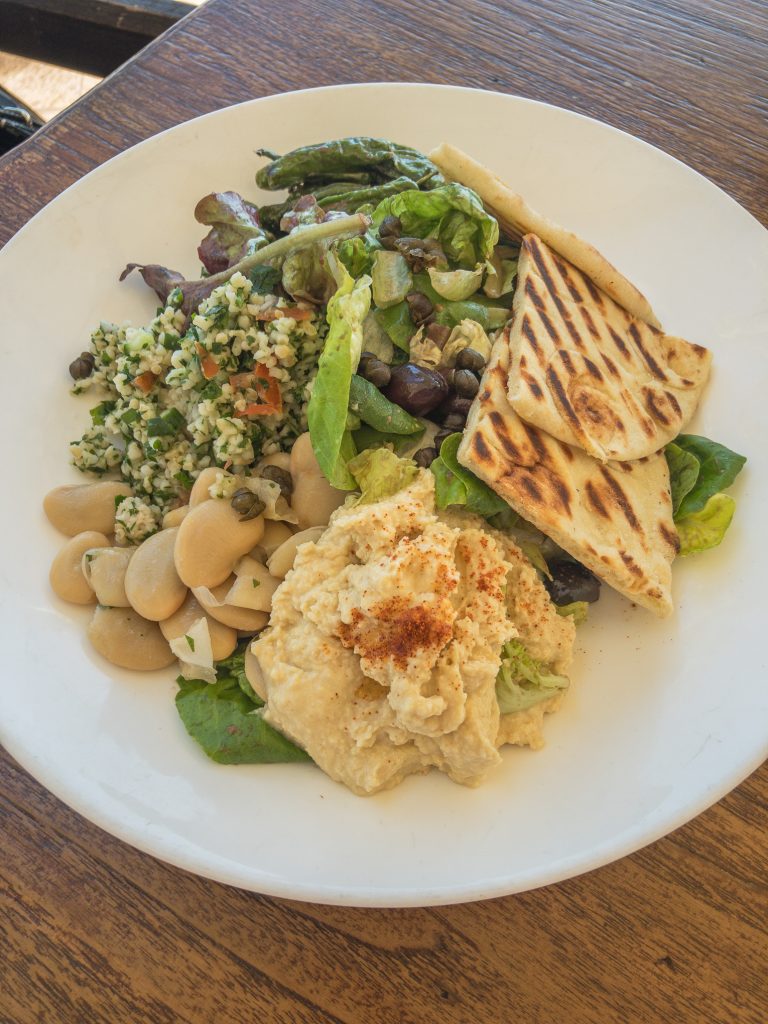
(161, 280)
(235, 230)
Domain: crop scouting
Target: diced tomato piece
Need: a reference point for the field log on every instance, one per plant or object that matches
(145, 381)
(208, 364)
(269, 390)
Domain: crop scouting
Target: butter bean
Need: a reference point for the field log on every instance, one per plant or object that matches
(78, 507)
(230, 614)
(253, 586)
(313, 498)
(210, 540)
(104, 569)
(223, 638)
(66, 575)
(152, 584)
(174, 517)
(199, 492)
(126, 639)
(275, 534)
(281, 561)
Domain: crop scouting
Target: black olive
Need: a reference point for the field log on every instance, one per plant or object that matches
(247, 504)
(465, 383)
(82, 367)
(390, 230)
(455, 405)
(424, 457)
(571, 581)
(470, 359)
(281, 477)
(438, 333)
(419, 306)
(415, 389)
(374, 370)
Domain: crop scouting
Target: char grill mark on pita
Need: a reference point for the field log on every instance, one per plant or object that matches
(517, 218)
(622, 406)
(615, 518)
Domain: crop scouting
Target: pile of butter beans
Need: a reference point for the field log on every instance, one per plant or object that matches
(209, 561)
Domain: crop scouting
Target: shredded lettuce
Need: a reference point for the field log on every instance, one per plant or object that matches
(380, 473)
(522, 681)
(578, 610)
(706, 528)
(327, 412)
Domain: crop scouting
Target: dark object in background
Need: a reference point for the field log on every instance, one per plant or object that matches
(95, 36)
(17, 122)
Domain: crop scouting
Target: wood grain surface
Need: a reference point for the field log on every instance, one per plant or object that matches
(94, 931)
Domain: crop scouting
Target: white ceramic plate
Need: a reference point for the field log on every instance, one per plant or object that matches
(663, 718)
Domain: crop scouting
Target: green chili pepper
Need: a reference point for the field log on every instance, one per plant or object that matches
(378, 412)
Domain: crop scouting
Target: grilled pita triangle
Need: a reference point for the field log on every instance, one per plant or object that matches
(517, 218)
(614, 517)
(588, 372)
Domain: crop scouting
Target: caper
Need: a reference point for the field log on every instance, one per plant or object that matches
(465, 383)
(390, 230)
(470, 359)
(420, 252)
(439, 334)
(281, 477)
(374, 370)
(419, 306)
(424, 457)
(454, 422)
(82, 367)
(247, 504)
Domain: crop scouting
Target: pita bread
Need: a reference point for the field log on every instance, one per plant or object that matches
(517, 218)
(588, 372)
(615, 518)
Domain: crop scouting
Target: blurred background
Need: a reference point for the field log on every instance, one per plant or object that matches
(54, 51)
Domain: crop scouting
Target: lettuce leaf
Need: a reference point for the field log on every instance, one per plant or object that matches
(235, 230)
(225, 719)
(327, 412)
(578, 610)
(455, 485)
(683, 473)
(718, 468)
(522, 681)
(453, 214)
(380, 473)
(706, 528)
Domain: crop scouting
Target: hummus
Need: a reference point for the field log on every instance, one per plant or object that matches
(385, 640)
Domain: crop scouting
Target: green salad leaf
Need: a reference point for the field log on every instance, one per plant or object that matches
(368, 437)
(578, 610)
(718, 468)
(706, 528)
(456, 285)
(453, 214)
(396, 322)
(523, 681)
(225, 719)
(683, 473)
(327, 412)
(380, 473)
(456, 485)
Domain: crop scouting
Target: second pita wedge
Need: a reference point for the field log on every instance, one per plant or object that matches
(615, 517)
(518, 218)
(588, 372)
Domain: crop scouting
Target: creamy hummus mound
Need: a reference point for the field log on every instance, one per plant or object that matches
(385, 639)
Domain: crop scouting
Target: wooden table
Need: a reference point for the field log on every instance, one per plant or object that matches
(93, 931)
